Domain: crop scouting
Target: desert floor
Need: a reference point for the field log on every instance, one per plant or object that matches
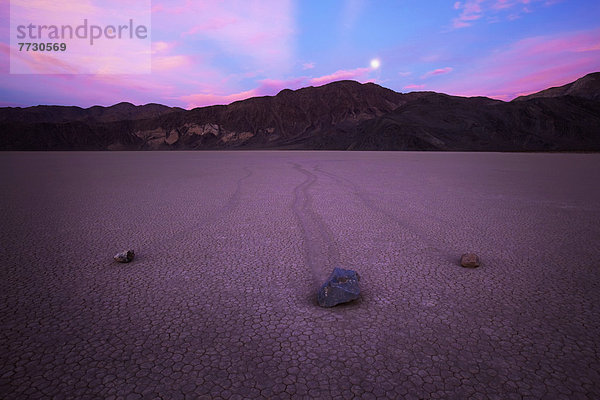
(231, 248)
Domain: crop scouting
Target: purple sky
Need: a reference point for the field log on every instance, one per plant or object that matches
(216, 52)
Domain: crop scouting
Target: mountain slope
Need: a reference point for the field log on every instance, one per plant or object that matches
(587, 87)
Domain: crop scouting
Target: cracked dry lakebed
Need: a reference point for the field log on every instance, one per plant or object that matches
(232, 247)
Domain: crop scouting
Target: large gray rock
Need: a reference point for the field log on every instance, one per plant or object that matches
(470, 260)
(340, 287)
(125, 256)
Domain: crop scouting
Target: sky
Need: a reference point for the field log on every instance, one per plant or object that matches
(219, 51)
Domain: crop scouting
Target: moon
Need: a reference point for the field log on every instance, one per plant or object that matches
(375, 63)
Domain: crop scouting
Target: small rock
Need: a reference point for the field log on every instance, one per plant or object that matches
(469, 260)
(340, 287)
(125, 256)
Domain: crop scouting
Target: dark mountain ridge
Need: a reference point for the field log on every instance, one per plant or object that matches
(337, 116)
(117, 112)
(586, 87)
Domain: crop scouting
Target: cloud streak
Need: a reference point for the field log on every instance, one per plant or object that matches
(439, 71)
(359, 74)
(473, 10)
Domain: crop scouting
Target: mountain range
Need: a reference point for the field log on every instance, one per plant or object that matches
(343, 115)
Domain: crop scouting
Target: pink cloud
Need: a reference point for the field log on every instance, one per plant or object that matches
(354, 74)
(472, 10)
(166, 63)
(501, 4)
(206, 99)
(439, 71)
(270, 87)
(472, 7)
(414, 86)
(457, 23)
(162, 47)
(504, 4)
(580, 42)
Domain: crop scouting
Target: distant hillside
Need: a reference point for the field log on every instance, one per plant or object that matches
(343, 115)
(587, 87)
(54, 114)
(442, 122)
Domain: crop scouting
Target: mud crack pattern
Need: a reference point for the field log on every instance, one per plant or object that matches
(220, 300)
